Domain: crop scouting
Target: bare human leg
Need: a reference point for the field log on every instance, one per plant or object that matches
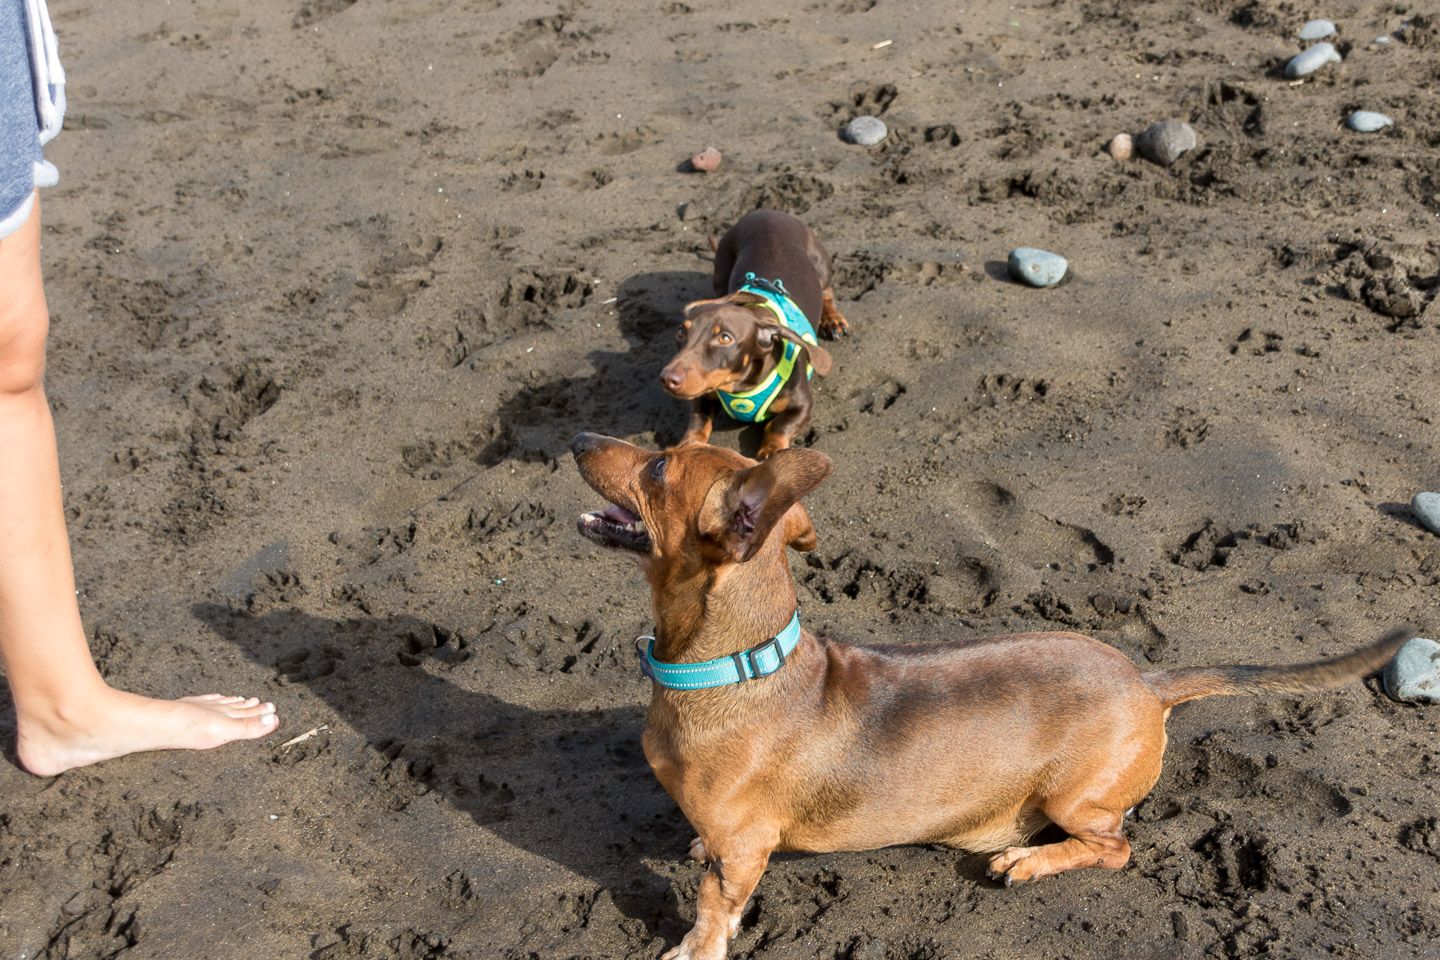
(67, 715)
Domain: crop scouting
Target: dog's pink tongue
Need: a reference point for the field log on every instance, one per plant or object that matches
(619, 515)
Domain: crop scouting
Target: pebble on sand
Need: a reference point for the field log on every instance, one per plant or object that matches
(1426, 509)
(1311, 59)
(1414, 673)
(1367, 121)
(1317, 30)
(1121, 147)
(866, 131)
(1164, 142)
(706, 161)
(1037, 268)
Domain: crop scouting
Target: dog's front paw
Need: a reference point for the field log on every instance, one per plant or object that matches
(833, 326)
(771, 447)
(694, 948)
(697, 851)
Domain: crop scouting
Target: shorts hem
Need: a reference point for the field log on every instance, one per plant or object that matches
(16, 218)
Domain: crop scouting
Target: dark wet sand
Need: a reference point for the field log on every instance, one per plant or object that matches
(334, 284)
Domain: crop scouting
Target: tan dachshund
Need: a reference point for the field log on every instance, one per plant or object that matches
(770, 738)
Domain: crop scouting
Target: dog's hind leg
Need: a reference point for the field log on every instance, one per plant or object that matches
(1090, 805)
(1099, 844)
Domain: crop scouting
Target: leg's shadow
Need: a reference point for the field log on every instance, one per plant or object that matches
(571, 786)
(622, 397)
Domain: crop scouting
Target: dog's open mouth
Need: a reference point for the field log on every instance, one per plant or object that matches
(615, 527)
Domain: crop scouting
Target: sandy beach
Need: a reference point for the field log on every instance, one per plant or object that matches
(334, 283)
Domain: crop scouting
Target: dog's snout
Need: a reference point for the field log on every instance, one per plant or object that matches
(584, 443)
(672, 378)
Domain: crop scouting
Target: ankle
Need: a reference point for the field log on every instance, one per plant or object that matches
(77, 708)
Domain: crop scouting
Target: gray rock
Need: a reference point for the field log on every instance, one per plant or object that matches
(866, 131)
(1311, 59)
(1317, 30)
(1037, 268)
(1414, 673)
(1163, 142)
(1426, 508)
(1366, 121)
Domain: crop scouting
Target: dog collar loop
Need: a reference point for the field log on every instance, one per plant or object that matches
(753, 406)
(752, 664)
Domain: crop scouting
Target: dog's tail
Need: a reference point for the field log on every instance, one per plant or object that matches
(714, 243)
(1191, 683)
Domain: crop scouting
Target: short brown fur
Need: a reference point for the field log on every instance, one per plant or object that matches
(976, 744)
(730, 343)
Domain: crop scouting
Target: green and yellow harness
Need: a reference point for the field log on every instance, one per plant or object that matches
(753, 406)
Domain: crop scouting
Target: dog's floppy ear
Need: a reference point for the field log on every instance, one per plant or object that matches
(819, 356)
(757, 498)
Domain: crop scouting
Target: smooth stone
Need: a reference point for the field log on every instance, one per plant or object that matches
(1414, 672)
(1164, 142)
(1317, 30)
(866, 131)
(1037, 268)
(1121, 147)
(1367, 121)
(706, 161)
(1426, 508)
(1309, 60)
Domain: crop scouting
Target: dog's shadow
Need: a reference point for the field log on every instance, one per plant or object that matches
(571, 786)
(622, 397)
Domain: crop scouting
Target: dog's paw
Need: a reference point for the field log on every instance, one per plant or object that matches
(771, 446)
(1010, 866)
(697, 851)
(833, 326)
(693, 948)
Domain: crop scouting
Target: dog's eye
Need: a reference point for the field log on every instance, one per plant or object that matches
(725, 339)
(680, 334)
(657, 470)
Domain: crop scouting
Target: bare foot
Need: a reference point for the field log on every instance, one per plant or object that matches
(117, 723)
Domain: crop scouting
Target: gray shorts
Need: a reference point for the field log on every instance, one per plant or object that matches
(22, 165)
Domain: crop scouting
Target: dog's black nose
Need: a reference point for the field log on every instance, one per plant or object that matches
(584, 443)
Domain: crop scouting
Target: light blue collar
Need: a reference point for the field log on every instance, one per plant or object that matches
(759, 661)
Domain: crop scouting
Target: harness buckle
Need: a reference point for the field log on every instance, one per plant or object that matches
(776, 286)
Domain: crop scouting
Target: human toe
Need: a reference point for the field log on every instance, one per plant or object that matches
(251, 727)
(241, 711)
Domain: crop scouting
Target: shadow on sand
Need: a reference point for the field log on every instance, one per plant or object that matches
(622, 398)
(571, 786)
